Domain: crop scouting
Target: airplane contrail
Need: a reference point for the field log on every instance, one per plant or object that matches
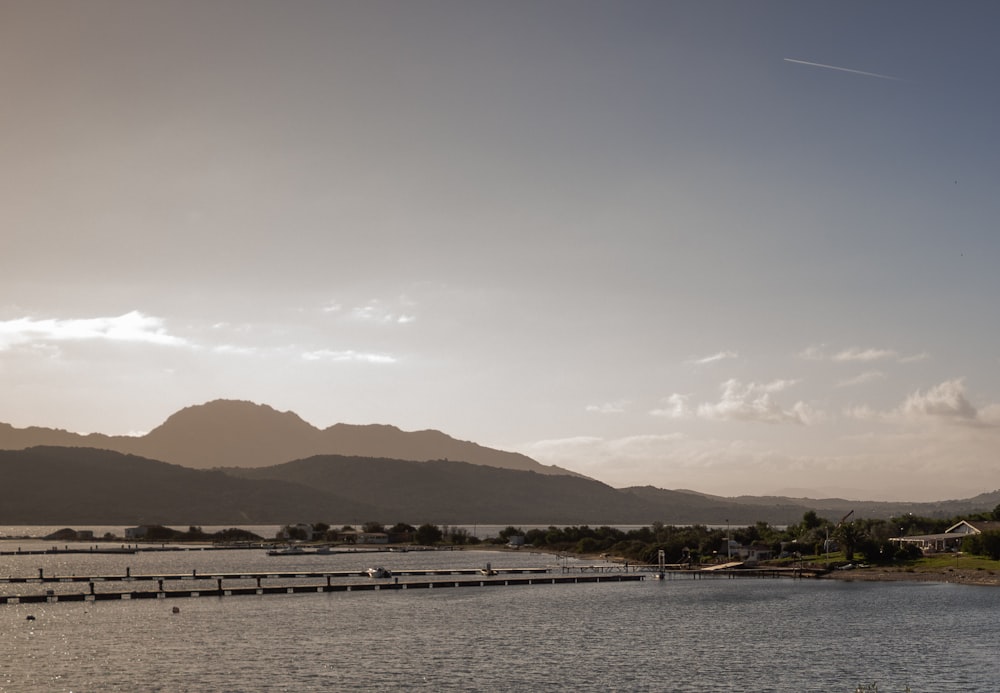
(841, 69)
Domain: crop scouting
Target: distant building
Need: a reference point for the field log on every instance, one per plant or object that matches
(301, 530)
(136, 533)
(373, 538)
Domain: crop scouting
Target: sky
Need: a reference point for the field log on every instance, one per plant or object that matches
(733, 247)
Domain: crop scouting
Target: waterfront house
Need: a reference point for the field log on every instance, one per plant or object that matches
(951, 538)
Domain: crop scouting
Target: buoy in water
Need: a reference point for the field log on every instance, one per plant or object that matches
(30, 618)
(176, 610)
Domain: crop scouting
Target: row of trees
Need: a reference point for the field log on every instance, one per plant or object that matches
(399, 533)
(814, 536)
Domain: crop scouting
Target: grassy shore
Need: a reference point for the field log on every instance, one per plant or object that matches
(957, 568)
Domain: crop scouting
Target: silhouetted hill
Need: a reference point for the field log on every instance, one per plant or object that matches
(229, 433)
(442, 491)
(51, 485)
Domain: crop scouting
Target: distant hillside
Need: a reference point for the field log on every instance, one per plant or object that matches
(50, 485)
(741, 507)
(66, 485)
(442, 491)
(228, 433)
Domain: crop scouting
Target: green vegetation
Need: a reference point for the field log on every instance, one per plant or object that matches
(814, 539)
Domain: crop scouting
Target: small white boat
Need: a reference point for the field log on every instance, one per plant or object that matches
(379, 572)
(287, 551)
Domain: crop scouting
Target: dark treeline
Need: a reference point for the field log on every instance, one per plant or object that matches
(813, 537)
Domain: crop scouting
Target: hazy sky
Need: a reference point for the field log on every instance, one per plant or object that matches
(737, 247)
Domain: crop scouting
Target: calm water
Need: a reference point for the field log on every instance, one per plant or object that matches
(676, 635)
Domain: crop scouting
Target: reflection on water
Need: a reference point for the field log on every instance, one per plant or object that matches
(676, 635)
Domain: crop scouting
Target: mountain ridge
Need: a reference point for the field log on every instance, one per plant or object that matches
(239, 433)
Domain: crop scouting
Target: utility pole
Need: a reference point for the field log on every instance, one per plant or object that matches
(729, 545)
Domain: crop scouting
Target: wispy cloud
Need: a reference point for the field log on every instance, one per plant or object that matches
(677, 407)
(374, 311)
(347, 355)
(841, 69)
(617, 407)
(813, 352)
(855, 354)
(720, 356)
(866, 377)
(818, 352)
(130, 327)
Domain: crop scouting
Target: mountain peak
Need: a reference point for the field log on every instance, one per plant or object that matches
(228, 412)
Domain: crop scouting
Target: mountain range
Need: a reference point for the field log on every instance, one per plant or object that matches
(228, 462)
(231, 433)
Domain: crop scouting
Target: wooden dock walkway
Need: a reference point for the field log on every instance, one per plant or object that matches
(269, 574)
(220, 590)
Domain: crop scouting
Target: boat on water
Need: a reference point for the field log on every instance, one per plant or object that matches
(379, 572)
(287, 551)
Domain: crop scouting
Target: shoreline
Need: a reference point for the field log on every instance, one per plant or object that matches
(958, 576)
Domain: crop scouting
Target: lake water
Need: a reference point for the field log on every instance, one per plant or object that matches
(672, 635)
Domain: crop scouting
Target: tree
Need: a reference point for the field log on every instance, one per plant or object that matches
(428, 534)
(373, 527)
(989, 544)
(849, 534)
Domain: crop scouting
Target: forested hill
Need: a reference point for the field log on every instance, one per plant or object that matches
(54, 485)
(63, 485)
(60, 485)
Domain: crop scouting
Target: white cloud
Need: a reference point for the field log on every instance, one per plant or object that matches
(720, 356)
(375, 311)
(754, 402)
(945, 401)
(815, 352)
(855, 354)
(609, 407)
(347, 356)
(861, 379)
(677, 407)
(130, 327)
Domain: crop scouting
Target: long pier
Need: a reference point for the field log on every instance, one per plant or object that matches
(539, 576)
(270, 574)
